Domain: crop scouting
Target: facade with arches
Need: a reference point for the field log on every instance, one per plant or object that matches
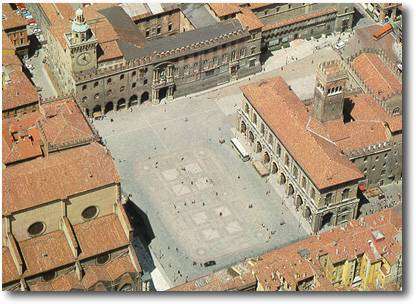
(319, 173)
(127, 68)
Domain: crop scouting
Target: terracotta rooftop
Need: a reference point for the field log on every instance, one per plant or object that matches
(249, 19)
(92, 275)
(339, 243)
(298, 19)
(100, 235)
(10, 273)
(62, 123)
(376, 75)
(46, 252)
(12, 20)
(108, 272)
(259, 5)
(224, 9)
(57, 125)
(59, 175)
(19, 91)
(367, 125)
(321, 160)
(21, 139)
(234, 278)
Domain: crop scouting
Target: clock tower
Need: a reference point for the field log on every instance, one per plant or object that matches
(82, 44)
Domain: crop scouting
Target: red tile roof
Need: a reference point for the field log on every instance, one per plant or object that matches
(62, 124)
(10, 272)
(21, 140)
(248, 19)
(288, 118)
(45, 252)
(99, 235)
(59, 175)
(366, 128)
(376, 75)
(12, 20)
(298, 19)
(224, 9)
(93, 274)
(19, 91)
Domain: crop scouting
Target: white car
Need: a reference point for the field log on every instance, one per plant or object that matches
(340, 45)
(399, 67)
(37, 30)
(29, 66)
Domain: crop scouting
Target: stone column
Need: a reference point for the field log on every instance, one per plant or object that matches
(155, 96)
(170, 93)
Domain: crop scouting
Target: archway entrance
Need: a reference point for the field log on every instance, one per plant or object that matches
(290, 190)
(243, 127)
(274, 168)
(266, 158)
(251, 137)
(121, 103)
(96, 112)
(282, 179)
(327, 220)
(163, 92)
(133, 100)
(108, 107)
(144, 97)
(298, 202)
(258, 147)
(308, 214)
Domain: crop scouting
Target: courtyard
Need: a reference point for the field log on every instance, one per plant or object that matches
(203, 203)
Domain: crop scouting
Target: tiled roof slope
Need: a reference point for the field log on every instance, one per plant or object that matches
(59, 175)
(376, 75)
(288, 119)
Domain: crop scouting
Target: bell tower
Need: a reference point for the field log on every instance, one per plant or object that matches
(82, 44)
(329, 91)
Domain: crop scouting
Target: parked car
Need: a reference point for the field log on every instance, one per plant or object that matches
(37, 30)
(29, 66)
(31, 22)
(399, 67)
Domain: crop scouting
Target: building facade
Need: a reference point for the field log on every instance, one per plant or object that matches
(15, 27)
(320, 154)
(285, 22)
(119, 69)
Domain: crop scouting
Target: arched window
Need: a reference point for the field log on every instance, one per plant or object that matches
(84, 87)
(345, 193)
(328, 198)
(121, 76)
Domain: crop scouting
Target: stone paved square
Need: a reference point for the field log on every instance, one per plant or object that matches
(153, 141)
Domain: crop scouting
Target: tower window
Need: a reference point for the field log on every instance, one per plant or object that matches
(95, 84)
(121, 76)
(84, 87)
(108, 80)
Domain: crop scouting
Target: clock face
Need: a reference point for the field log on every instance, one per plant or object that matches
(84, 58)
